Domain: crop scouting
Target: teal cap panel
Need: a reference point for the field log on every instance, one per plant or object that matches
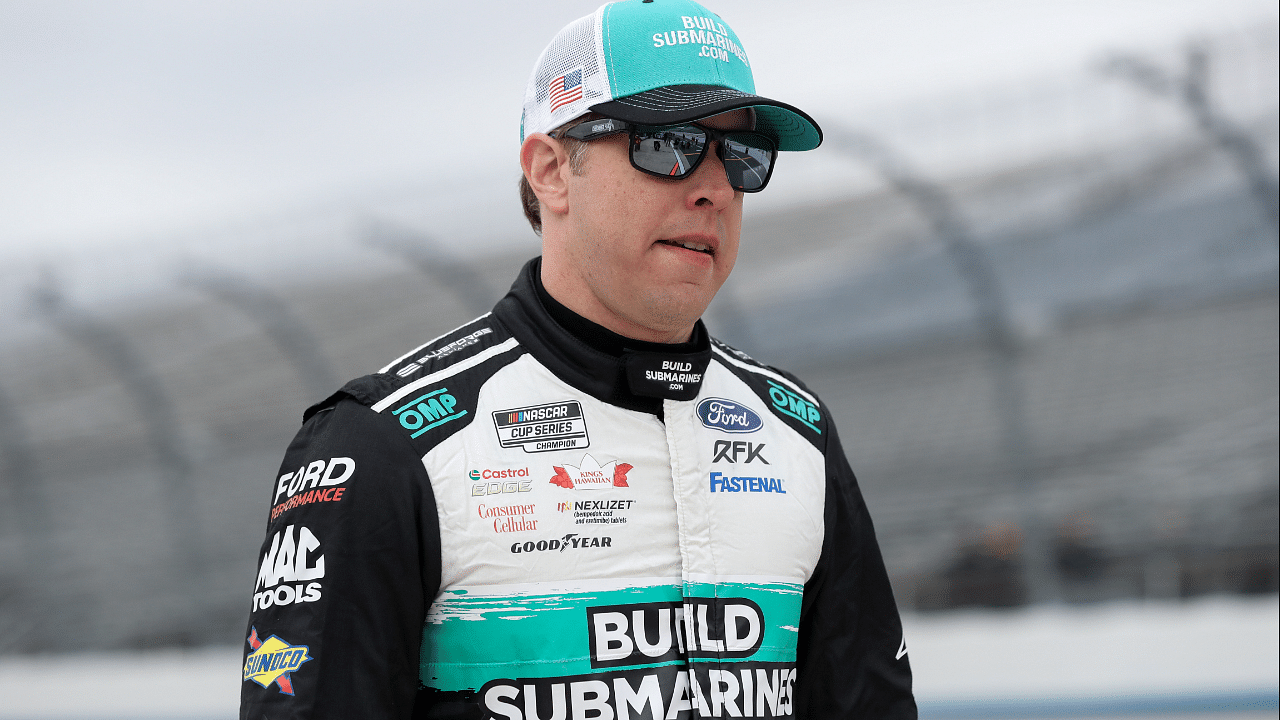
(671, 42)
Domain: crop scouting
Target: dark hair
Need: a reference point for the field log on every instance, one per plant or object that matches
(577, 152)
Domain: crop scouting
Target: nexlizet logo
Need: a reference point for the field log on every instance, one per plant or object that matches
(723, 449)
(500, 482)
(596, 512)
(728, 416)
(288, 562)
(324, 474)
(428, 411)
(792, 405)
(723, 483)
(272, 661)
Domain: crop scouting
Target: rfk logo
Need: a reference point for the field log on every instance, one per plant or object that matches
(591, 475)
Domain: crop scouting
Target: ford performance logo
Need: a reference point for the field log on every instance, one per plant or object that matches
(728, 416)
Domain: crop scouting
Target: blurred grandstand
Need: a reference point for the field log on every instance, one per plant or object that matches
(1048, 332)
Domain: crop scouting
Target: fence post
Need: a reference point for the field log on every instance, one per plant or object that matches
(974, 266)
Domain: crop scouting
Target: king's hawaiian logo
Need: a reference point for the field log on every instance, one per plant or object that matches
(591, 475)
(272, 661)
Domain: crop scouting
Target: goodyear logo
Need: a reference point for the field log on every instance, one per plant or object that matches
(272, 661)
(792, 405)
(428, 411)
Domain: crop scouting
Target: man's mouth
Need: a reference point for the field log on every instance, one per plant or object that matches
(690, 245)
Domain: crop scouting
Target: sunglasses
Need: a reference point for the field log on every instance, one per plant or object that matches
(675, 151)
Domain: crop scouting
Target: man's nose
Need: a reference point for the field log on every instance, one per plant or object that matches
(709, 185)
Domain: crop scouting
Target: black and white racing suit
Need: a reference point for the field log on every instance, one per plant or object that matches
(513, 521)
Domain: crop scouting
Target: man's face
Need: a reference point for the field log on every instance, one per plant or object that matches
(652, 252)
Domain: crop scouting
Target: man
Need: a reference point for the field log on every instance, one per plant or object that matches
(580, 505)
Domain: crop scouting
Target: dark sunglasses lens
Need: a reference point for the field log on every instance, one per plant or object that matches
(747, 161)
(671, 151)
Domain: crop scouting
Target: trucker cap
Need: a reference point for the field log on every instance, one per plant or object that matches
(654, 62)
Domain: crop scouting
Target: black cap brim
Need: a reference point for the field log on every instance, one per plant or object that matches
(790, 127)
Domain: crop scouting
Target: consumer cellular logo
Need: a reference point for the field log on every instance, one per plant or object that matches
(428, 411)
(728, 416)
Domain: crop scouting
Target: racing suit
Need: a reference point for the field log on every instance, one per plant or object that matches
(531, 517)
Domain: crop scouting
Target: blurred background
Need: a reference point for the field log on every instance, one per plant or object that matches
(1032, 271)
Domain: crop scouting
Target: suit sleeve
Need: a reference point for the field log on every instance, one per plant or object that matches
(349, 565)
(851, 658)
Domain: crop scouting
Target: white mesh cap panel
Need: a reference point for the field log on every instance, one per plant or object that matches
(579, 46)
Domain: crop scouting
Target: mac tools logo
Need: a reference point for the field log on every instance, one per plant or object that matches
(728, 416)
(591, 475)
(287, 568)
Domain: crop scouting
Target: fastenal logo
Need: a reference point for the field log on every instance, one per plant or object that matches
(728, 416)
(272, 661)
(287, 569)
(543, 428)
(428, 411)
(498, 482)
(591, 475)
(723, 483)
(792, 405)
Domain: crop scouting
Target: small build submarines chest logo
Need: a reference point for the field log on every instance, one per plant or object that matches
(543, 428)
(728, 416)
(273, 661)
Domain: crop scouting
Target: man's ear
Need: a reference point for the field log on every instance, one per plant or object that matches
(545, 163)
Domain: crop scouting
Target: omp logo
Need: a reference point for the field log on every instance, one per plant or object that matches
(286, 569)
(792, 405)
(723, 483)
(591, 475)
(732, 452)
(321, 473)
(428, 411)
(728, 416)
(272, 661)
(570, 541)
(498, 482)
(656, 632)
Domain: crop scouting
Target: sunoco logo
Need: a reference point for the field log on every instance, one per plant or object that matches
(428, 411)
(792, 405)
(272, 661)
(543, 428)
(728, 416)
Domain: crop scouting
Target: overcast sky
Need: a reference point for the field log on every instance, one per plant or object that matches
(127, 119)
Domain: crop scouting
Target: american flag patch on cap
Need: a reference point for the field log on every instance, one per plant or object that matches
(565, 89)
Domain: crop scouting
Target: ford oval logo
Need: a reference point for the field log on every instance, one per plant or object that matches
(728, 416)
